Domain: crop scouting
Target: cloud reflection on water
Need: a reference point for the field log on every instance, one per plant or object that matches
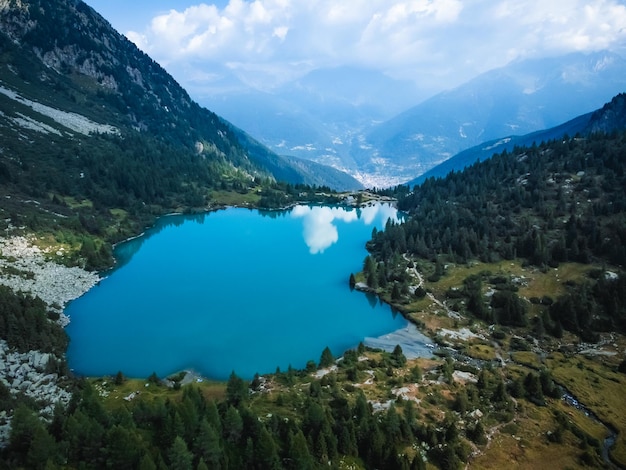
(320, 231)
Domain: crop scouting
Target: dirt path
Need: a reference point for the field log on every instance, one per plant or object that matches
(418, 276)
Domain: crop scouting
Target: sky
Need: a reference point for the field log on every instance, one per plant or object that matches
(438, 44)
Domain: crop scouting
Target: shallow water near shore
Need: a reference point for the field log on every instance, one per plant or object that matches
(237, 289)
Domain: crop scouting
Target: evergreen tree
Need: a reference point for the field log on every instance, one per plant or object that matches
(327, 359)
(372, 280)
(395, 292)
(532, 386)
(299, 457)
(42, 449)
(461, 402)
(266, 451)
(392, 424)
(397, 357)
(147, 463)
(416, 374)
(236, 390)
(124, 448)
(232, 425)
(179, 456)
(207, 445)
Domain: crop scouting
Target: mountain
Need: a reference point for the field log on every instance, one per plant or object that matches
(84, 113)
(347, 117)
(296, 170)
(607, 119)
(523, 97)
(318, 116)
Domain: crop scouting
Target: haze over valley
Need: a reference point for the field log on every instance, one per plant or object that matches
(386, 91)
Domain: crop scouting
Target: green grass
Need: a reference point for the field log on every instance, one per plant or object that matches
(231, 198)
(481, 351)
(552, 283)
(118, 213)
(527, 358)
(599, 388)
(114, 395)
(77, 204)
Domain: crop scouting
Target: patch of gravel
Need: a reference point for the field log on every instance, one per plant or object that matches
(31, 273)
(73, 121)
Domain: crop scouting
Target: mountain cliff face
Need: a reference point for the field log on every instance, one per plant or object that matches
(71, 40)
(610, 117)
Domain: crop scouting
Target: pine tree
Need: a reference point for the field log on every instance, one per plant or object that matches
(397, 356)
(147, 463)
(207, 444)
(232, 425)
(266, 451)
(327, 359)
(179, 456)
(236, 390)
(298, 453)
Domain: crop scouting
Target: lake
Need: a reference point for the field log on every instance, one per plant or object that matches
(232, 290)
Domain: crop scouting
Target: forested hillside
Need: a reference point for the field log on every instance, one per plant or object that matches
(606, 119)
(558, 202)
(97, 139)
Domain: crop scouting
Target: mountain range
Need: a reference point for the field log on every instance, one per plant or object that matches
(343, 127)
(382, 140)
(606, 119)
(318, 117)
(520, 98)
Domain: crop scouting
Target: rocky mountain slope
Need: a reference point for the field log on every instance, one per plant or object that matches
(66, 58)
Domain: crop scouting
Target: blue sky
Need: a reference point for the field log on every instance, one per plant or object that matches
(437, 43)
(134, 15)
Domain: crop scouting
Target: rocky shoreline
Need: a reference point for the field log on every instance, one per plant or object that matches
(24, 268)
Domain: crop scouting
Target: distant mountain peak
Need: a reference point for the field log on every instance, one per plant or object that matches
(525, 96)
(610, 117)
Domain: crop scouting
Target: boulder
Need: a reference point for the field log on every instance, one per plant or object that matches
(38, 360)
(25, 385)
(13, 369)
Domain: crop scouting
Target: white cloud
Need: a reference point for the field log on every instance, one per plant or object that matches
(318, 229)
(281, 32)
(319, 222)
(438, 43)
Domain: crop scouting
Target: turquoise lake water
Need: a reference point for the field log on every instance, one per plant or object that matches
(235, 289)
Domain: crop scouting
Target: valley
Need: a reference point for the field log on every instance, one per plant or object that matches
(397, 136)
